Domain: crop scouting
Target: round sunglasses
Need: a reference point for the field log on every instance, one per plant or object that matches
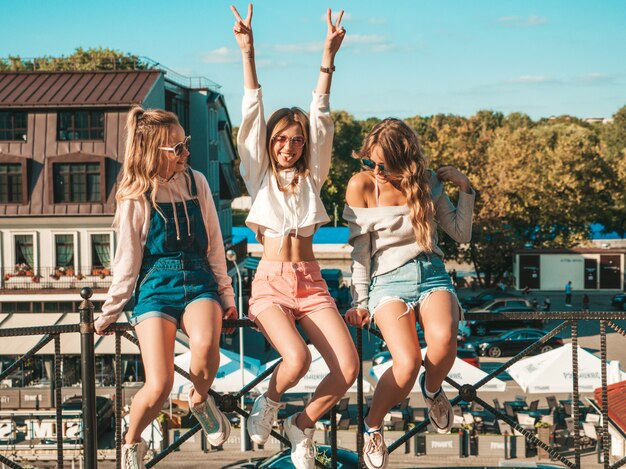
(296, 142)
(180, 147)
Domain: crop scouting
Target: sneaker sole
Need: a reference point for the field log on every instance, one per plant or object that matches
(225, 424)
(369, 464)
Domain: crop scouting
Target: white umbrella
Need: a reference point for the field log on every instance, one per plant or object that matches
(317, 372)
(228, 378)
(461, 372)
(552, 372)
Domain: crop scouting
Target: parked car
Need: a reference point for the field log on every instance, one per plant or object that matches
(511, 343)
(484, 297)
(105, 412)
(619, 301)
(345, 459)
(464, 353)
(482, 327)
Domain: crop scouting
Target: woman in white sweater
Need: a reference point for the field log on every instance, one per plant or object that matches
(284, 164)
(398, 275)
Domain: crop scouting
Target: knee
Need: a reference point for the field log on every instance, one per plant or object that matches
(441, 337)
(295, 364)
(205, 346)
(346, 370)
(405, 369)
(158, 391)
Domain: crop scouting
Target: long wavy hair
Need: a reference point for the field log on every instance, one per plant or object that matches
(405, 160)
(278, 122)
(146, 131)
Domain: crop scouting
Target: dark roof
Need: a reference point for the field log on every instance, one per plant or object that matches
(69, 89)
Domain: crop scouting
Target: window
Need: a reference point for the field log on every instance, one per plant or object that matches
(13, 125)
(64, 252)
(11, 183)
(24, 254)
(100, 253)
(77, 182)
(80, 125)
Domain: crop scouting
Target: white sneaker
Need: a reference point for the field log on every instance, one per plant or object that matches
(262, 418)
(375, 454)
(439, 408)
(215, 424)
(302, 448)
(132, 455)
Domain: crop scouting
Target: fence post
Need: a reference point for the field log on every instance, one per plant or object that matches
(88, 365)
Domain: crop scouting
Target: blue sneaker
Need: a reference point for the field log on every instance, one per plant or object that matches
(439, 408)
(215, 424)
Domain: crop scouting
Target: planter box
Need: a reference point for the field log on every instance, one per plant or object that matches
(496, 446)
(442, 444)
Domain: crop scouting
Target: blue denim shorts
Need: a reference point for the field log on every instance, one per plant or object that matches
(411, 282)
(168, 286)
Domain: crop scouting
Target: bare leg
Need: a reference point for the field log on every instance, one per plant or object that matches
(202, 322)
(329, 333)
(396, 383)
(281, 331)
(156, 341)
(439, 317)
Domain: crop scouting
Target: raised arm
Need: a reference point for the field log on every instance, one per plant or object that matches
(334, 38)
(245, 41)
(456, 221)
(251, 136)
(322, 127)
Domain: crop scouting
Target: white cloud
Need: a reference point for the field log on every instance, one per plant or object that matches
(373, 42)
(222, 55)
(595, 78)
(377, 21)
(518, 21)
(530, 79)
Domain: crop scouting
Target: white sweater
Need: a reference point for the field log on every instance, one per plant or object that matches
(284, 212)
(134, 224)
(383, 238)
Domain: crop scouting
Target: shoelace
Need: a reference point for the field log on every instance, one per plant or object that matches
(131, 457)
(309, 447)
(439, 406)
(269, 415)
(374, 443)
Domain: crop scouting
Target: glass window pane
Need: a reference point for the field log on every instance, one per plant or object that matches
(64, 245)
(23, 253)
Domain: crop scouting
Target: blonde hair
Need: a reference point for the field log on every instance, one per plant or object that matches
(278, 122)
(404, 157)
(146, 131)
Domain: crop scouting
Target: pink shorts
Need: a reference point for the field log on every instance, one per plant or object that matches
(295, 287)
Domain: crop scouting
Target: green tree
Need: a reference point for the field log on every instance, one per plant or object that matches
(97, 58)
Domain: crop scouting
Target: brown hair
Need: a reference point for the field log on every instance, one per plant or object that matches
(279, 121)
(404, 157)
(146, 131)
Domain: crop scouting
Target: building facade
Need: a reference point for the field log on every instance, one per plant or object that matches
(587, 268)
(62, 140)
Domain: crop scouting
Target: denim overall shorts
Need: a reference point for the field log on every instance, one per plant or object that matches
(174, 272)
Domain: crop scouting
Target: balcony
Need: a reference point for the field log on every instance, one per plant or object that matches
(25, 278)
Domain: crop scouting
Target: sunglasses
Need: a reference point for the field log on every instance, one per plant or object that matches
(180, 147)
(370, 165)
(296, 142)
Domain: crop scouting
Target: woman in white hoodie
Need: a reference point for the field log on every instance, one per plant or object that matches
(284, 164)
(171, 255)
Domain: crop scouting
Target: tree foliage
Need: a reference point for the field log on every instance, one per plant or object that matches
(80, 60)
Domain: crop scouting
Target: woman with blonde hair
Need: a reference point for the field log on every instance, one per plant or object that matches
(171, 256)
(398, 275)
(284, 164)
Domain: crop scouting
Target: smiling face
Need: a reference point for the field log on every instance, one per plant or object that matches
(174, 163)
(288, 146)
(378, 157)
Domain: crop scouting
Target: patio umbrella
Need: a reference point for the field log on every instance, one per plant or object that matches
(551, 372)
(461, 372)
(228, 378)
(317, 371)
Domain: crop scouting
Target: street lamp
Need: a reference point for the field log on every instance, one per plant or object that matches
(231, 256)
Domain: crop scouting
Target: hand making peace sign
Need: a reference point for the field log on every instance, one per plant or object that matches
(335, 34)
(243, 29)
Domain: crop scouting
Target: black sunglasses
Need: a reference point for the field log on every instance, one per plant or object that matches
(371, 165)
(179, 147)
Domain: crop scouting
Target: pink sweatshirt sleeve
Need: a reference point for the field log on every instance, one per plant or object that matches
(134, 220)
(216, 254)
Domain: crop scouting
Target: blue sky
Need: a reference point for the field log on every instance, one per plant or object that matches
(400, 58)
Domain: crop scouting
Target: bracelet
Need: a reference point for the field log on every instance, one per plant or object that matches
(330, 69)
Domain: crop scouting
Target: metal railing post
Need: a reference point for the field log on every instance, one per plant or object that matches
(88, 365)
